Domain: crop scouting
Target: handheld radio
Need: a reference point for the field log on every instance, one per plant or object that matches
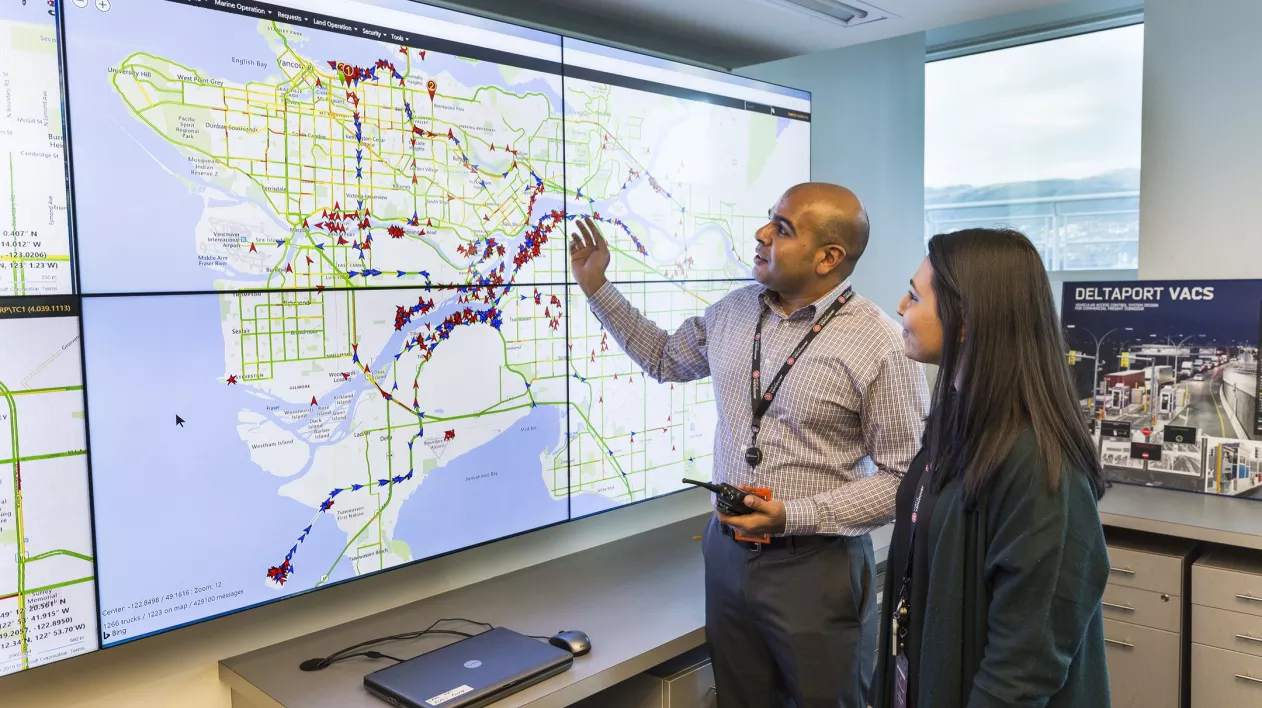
(729, 499)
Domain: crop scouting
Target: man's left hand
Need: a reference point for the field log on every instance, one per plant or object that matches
(766, 517)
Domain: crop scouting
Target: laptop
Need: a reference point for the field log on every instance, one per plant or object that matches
(470, 673)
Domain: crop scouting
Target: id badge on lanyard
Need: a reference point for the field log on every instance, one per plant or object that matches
(900, 623)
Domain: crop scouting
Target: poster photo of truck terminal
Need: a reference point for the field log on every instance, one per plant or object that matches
(1168, 379)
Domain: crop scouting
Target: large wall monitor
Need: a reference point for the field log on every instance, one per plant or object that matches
(47, 595)
(331, 238)
(317, 297)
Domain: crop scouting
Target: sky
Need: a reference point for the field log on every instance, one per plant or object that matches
(1066, 108)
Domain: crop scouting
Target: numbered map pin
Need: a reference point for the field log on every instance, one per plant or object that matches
(432, 86)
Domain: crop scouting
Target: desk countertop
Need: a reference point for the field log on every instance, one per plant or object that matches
(1204, 517)
(605, 591)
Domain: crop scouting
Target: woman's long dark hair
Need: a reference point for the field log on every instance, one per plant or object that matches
(1003, 368)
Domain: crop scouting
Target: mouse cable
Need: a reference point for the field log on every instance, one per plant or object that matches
(350, 652)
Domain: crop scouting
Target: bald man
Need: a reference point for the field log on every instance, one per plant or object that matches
(817, 403)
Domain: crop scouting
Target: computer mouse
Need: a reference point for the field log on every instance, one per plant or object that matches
(573, 641)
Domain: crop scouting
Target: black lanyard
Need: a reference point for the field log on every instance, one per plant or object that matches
(761, 400)
(902, 604)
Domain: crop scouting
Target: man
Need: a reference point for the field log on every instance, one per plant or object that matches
(792, 620)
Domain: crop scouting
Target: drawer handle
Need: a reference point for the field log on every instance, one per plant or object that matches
(1245, 636)
(1243, 677)
(1128, 645)
(1249, 598)
(1127, 571)
(1124, 608)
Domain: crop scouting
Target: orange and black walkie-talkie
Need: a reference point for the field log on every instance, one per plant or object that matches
(730, 500)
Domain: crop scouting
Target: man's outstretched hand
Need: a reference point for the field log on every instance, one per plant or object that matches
(589, 257)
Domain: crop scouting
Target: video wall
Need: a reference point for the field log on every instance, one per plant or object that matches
(1168, 380)
(285, 300)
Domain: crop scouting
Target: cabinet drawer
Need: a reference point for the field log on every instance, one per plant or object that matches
(1227, 630)
(693, 688)
(1145, 571)
(1143, 607)
(1222, 678)
(1227, 589)
(1143, 666)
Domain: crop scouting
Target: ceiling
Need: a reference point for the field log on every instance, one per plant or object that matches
(733, 33)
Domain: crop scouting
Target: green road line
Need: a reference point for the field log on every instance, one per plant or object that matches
(59, 552)
(32, 591)
(30, 391)
(49, 456)
(17, 514)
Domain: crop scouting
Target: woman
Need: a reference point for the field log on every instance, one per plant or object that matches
(998, 561)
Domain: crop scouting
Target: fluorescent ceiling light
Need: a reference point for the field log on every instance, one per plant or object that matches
(847, 14)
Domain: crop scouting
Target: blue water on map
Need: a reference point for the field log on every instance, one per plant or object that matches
(458, 505)
(184, 505)
(180, 506)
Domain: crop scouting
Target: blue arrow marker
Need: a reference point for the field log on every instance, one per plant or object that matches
(401, 274)
(354, 488)
(280, 242)
(320, 246)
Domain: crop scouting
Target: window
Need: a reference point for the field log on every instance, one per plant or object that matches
(1043, 138)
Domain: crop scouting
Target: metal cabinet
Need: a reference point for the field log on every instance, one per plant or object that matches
(1227, 629)
(686, 681)
(1145, 619)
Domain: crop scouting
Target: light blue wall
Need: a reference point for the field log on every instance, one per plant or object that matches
(1201, 203)
(868, 133)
